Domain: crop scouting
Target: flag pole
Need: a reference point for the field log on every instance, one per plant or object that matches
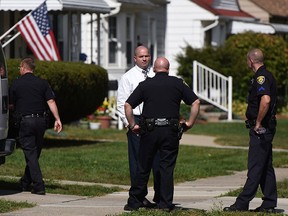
(11, 39)
(13, 27)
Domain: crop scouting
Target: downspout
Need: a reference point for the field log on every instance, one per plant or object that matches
(98, 40)
(214, 24)
(210, 26)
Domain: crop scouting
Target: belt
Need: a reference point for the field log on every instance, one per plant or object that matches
(161, 122)
(34, 115)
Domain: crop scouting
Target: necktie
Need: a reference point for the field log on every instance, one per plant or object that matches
(145, 73)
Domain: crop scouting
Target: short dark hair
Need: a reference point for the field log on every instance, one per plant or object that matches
(29, 63)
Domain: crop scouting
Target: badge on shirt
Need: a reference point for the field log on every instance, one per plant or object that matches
(260, 80)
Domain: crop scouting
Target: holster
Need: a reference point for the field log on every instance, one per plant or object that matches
(181, 128)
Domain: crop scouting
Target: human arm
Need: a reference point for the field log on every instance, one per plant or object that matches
(263, 109)
(194, 111)
(53, 108)
(122, 95)
(130, 118)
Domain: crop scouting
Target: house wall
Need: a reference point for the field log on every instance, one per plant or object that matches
(184, 26)
(147, 28)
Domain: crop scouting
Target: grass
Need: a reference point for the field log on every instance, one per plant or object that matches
(101, 156)
(282, 188)
(8, 183)
(192, 212)
(8, 206)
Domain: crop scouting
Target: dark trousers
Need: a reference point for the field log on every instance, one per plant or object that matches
(260, 171)
(31, 139)
(133, 150)
(164, 140)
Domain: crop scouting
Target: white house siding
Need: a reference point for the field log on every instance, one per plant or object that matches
(142, 33)
(184, 27)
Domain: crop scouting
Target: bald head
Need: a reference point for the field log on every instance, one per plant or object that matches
(255, 59)
(161, 64)
(256, 55)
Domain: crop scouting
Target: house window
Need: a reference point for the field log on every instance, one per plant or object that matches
(112, 39)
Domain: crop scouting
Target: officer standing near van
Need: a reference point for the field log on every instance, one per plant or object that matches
(161, 97)
(31, 97)
(261, 122)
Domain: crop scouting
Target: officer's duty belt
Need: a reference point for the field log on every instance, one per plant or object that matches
(35, 115)
(162, 122)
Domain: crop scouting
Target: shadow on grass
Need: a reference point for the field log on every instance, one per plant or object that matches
(8, 188)
(56, 143)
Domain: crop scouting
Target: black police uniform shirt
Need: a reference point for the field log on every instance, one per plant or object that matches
(263, 83)
(162, 96)
(30, 94)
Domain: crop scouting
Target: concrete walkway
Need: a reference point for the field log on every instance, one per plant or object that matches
(199, 194)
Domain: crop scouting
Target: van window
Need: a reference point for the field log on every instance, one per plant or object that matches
(3, 72)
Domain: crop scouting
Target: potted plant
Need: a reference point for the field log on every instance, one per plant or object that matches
(102, 114)
(94, 124)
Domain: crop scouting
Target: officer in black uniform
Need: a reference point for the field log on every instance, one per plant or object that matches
(29, 96)
(162, 96)
(261, 121)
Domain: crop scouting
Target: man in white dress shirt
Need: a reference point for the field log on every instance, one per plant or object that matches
(128, 82)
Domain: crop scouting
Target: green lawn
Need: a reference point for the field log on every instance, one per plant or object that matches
(236, 134)
(101, 156)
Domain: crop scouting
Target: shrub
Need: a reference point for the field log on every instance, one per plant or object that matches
(230, 60)
(79, 88)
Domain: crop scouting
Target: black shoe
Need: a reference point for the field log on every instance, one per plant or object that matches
(266, 210)
(41, 192)
(147, 204)
(234, 208)
(169, 209)
(130, 208)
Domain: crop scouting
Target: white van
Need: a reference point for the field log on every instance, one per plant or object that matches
(7, 146)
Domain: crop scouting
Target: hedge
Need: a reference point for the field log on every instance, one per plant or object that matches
(79, 88)
(230, 60)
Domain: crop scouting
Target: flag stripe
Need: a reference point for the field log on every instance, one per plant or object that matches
(31, 40)
(36, 31)
(38, 39)
(28, 40)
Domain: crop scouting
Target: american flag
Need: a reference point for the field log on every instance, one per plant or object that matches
(36, 31)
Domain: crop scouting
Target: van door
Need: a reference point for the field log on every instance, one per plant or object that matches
(7, 146)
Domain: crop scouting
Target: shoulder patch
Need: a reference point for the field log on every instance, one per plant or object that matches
(260, 80)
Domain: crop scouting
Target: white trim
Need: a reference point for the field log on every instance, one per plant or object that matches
(240, 27)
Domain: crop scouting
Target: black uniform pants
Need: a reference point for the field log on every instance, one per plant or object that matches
(31, 139)
(260, 171)
(133, 150)
(164, 140)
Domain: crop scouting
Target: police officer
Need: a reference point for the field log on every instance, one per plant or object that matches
(261, 120)
(128, 82)
(162, 96)
(29, 96)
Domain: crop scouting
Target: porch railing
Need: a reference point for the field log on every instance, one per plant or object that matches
(213, 87)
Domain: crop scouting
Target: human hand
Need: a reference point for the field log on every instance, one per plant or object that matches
(58, 126)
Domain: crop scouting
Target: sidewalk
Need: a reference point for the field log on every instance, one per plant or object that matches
(199, 194)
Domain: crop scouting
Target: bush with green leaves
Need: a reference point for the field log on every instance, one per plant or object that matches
(79, 88)
(230, 60)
